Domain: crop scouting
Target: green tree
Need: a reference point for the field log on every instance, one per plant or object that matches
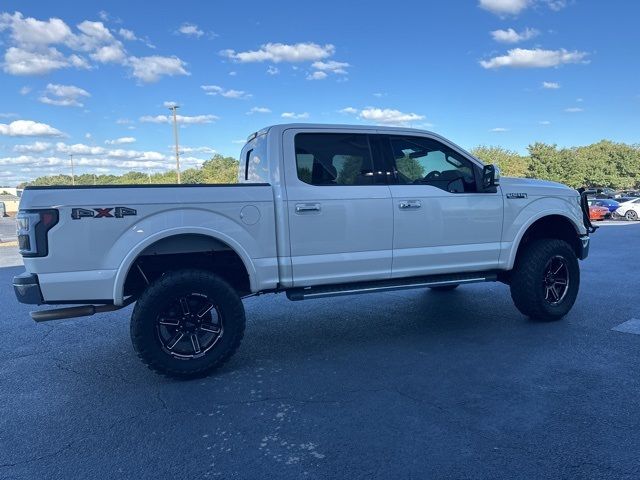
(511, 164)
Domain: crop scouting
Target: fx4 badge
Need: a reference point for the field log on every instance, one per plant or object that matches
(516, 195)
(112, 212)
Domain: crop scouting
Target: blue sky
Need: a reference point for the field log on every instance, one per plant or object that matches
(93, 78)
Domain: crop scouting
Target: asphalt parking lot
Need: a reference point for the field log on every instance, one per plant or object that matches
(398, 385)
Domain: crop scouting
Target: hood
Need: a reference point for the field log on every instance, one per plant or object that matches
(532, 186)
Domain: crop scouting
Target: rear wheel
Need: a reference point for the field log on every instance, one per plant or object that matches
(631, 215)
(444, 288)
(187, 323)
(546, 280)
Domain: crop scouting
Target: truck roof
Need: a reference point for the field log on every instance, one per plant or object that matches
(333, 126)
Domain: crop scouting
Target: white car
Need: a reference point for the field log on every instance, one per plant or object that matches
(319, 211)
(629, 209)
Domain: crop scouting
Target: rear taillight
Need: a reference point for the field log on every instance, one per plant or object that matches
(33, 227)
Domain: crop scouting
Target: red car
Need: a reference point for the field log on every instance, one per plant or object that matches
(598, 213)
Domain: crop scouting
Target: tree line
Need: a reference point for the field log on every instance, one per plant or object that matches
(602, 164)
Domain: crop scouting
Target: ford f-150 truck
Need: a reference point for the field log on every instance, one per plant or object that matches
(318, 210)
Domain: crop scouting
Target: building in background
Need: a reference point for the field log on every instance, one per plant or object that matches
(10, 201)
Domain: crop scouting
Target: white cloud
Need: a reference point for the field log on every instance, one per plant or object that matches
(124, 121)
(63, 95)
(150, 69)
(317, 76)
(79, 149)
(207, 150)
(29, 32)
(536, 58)
(273, 70)
(120, 141)
(544, 122)
(233, 74)
(332, 66)
(379, 94)
(170, 104)
(217, 90)
(499, 129)
(29, 128)
(551, 85)
(25, 90)
(280, 52)
(505, 7)
(18, 61)
(515, 7)
(36, 147)
(384, 116)
(127, 34)
(190, 30)
(8, 115)
(113, 53)
(258, 110)
(511, 36)
(574, 110)
(197, 119)
(295, 116)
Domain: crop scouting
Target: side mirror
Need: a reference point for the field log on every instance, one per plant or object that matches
(490, 177)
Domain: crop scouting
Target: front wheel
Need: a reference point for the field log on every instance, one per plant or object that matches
(187, 323)
(545, 280)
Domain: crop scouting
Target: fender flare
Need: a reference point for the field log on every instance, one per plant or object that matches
(540, 215)
(130, 258)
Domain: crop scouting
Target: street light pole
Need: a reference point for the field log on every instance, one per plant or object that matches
(73, 177)
(173, 108)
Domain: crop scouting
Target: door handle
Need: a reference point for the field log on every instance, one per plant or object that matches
(307, 207)
(409, 204)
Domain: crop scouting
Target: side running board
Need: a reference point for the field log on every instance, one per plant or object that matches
(322, 291)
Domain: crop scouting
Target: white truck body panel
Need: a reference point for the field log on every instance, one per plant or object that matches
(289, 233)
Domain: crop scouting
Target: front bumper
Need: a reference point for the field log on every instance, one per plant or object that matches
(583, 246)
(27, 289)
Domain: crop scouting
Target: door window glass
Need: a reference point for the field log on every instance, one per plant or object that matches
(334, 159)
(426, 161)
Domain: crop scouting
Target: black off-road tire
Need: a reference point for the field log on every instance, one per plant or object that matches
(445, 288)
(528, 289)
(155, 300)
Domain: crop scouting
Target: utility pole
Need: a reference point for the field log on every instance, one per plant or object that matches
(73, 177)
(173, 108)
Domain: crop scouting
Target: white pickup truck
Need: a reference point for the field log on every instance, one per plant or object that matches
(319, 210)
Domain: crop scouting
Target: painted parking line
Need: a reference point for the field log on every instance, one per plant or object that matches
(630, 326)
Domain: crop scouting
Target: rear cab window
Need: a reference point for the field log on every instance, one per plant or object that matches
(254, 167)
(325, 159)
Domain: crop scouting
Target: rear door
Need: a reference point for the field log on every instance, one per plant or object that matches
(338, 205)
(443, 223)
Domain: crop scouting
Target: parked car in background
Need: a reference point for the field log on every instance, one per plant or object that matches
(598, 213)
(602, 192)
(612, 205)
(627, 193)
(630, 209)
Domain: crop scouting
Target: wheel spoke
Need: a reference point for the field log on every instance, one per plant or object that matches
(184, 303)
(559, 268)
(170, 322)
(205, 310)
(174, 341)
(208, 327)
(560, 281)
(556, 294)
(195, 343)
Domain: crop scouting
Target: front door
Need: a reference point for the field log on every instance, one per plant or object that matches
(442, 222)
(338, 206)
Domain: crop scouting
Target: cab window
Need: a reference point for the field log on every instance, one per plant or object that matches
(334, 159)
(424, 161)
